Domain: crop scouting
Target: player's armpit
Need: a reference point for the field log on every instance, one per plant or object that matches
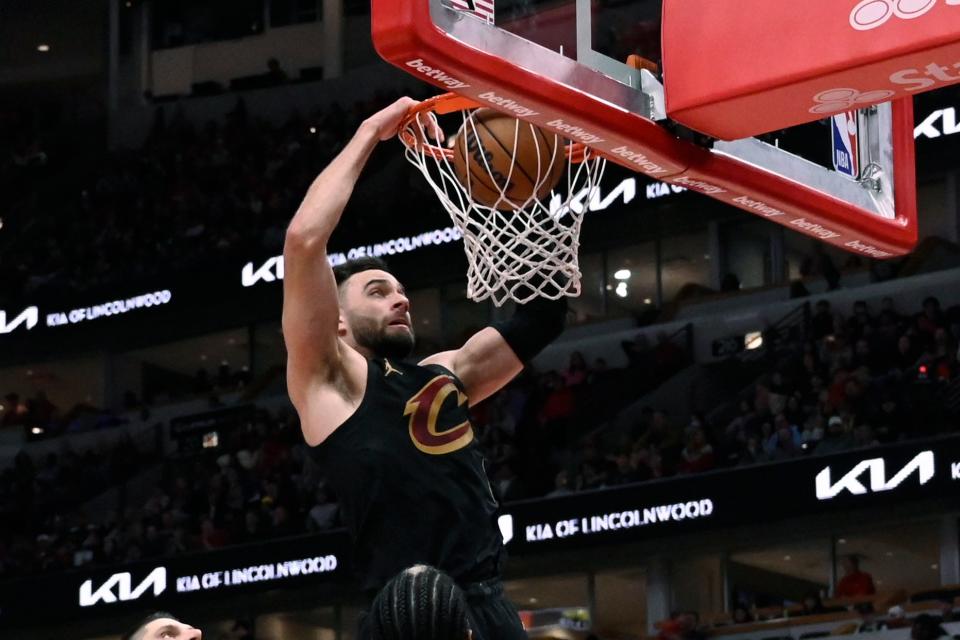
(485, 364)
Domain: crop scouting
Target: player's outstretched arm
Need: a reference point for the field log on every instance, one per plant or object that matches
(321, 369)
(492, 357)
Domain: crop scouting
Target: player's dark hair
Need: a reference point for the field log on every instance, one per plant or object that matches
(137, 632)
(351, 267)
(419, 603)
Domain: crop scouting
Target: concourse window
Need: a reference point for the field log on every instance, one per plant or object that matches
(779, 575)
(697, 585)
(589, 305)
(905, 557)
(554, 603)
(746, 249)
(213, 363)
(632, 279)
(621, 602)
(684, 265)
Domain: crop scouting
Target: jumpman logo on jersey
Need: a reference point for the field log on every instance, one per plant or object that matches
(390, 369)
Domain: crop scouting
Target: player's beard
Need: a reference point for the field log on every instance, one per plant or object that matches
(370, 334)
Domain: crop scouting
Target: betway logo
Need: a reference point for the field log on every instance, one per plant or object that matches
(870, 14)
(942, 122)
(436, 74)
(117, 588)
(29, 317)
(923, 464)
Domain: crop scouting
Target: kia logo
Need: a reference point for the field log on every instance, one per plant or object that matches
(923, 464)
(117, 588)
(29, 317)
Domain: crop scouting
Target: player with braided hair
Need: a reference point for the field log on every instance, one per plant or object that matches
(420, 603)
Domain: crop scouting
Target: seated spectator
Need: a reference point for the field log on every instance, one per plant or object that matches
(854, 581)
(836, 439)
(897, 618)
(822, 321)
(697, 455)
(576, 372)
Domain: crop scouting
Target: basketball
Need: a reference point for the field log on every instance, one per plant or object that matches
(497, 154)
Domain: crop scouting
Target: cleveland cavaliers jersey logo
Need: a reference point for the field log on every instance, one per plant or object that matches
(424, 410)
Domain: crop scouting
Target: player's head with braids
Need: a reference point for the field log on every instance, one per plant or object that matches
(420, 603)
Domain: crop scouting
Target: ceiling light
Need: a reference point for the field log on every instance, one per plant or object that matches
(841, 541)
(788, 558)
(533, 601)
(43, 48)
(622, 274)
(621, 290)
(36, 431)
(647, 301)
(934, 566)
(753, 340)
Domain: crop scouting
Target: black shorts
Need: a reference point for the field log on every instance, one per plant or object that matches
(492, 617)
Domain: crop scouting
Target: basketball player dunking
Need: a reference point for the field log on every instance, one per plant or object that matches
(395, 438)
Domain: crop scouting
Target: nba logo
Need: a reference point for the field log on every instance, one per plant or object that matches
(845, 131)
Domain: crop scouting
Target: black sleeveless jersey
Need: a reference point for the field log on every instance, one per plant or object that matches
(410, 478)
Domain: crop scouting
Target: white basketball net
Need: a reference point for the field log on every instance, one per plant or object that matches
(527, 250)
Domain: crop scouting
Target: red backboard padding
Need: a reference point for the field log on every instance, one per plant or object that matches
(737, 68)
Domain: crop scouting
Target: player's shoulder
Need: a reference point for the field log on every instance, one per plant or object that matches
(415, 371)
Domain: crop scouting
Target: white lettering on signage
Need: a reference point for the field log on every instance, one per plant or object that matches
(698, 185)
(619, 520)
(867, 249)
(256, 573)
(638, 159)
(269, 271)
(272, 269)
(436, 74)
(923, 463)
(112, 308)
(117, 588)
(661, 189)
(508, 104)
(929, 129)
(29, 318)
(574, 132)
(588, 199)
(760, 207)
(955, 471)
(911, 80)
(870, 14)
(814, 229)
(505, 522)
